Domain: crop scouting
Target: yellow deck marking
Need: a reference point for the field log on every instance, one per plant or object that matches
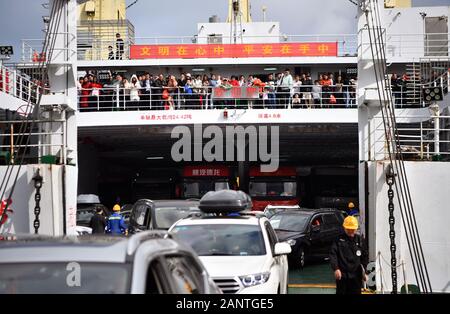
(325, 286)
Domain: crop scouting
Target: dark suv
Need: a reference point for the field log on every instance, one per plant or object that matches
(310, 232)
(160, 214)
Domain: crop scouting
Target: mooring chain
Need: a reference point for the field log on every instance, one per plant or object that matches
(37, 198)
(390, 180)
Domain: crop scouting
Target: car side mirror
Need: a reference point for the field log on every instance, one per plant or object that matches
(282, 248)
(315, 229)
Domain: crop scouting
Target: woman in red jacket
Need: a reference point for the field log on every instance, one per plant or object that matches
(85, 92)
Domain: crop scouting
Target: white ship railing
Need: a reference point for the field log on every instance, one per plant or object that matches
(19, 85)
(34, 144)
(117, 98)
(410, 45)
(397, 45)
(93, 48)
(428, 139)
(32, 49)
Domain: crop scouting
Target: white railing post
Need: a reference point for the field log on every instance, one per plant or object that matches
(23, 51)
(436, 134)
(150, 96)
(421, 140)
(63, 143)
(14, 83)
(29, 92)
(117, 97)
(20, 94)
(435, 111)
(401, 96)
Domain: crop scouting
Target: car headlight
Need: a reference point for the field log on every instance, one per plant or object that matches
(255, 279)
(291, 242)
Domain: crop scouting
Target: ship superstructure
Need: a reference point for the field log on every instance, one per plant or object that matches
(334, 135)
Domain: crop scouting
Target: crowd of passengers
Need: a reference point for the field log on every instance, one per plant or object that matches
(147, 91)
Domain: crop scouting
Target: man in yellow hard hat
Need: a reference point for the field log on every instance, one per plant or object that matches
(116, 224)
(349, 258)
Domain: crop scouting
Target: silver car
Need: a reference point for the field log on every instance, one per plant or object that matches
(149, 262)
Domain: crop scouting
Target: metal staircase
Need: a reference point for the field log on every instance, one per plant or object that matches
(429, 137)
(426, 72)
(413, 88)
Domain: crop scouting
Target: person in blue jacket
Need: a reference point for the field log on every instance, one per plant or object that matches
(116, 224)
(352, 210)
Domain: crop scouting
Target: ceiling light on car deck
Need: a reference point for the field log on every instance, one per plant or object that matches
(155, 158)
(225, 202)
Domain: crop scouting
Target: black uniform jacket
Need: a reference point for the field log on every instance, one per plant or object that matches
(348, 255)
(98, 224)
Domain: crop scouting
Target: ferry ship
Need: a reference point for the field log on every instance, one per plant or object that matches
(367, 103)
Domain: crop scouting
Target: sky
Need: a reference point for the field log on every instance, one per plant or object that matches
(180, 17)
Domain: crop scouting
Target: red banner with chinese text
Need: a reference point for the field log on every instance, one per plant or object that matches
(235, 93)
(206, 171)
(197, 51)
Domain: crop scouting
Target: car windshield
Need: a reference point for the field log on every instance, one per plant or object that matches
(64, 278)
(196, 189)
(283, 189)
(294, 222)
(269, 212)
(222, 240)
(165, 217)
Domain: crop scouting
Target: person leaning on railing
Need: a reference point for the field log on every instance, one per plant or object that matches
(85, 93)
(205, 93)
(260, 85)
(396, 86)
(316, 92)
(125, 89)
(352, 91)
(110, 53)
(306, 89)
(270, 90)
(135, 88)
(296, 92)
(326, 83)
(158, 84)
(147, 84)
(172, 88)
(95, 93)
(188, 92)
(120, 47)
(339, 91)
(284, 84)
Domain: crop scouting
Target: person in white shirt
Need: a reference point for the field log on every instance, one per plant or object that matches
(250, 81)
(135, 87)
(270, 89)
(296, 87)
(284, 88)
(242, 81)
(316, 92)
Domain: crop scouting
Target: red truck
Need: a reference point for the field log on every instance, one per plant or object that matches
(196, 181)
(274, 188)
